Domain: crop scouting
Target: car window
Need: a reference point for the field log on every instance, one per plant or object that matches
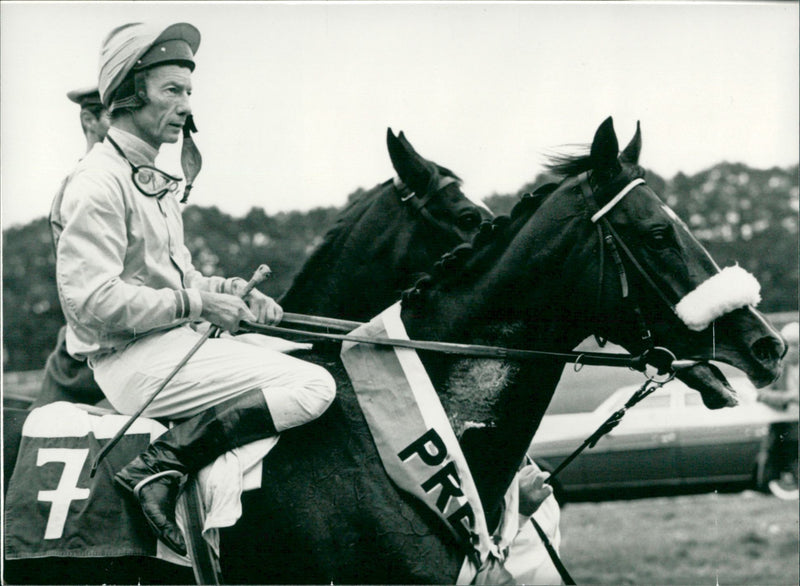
(693, 399)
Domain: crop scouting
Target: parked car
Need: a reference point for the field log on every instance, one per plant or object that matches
(668, 442)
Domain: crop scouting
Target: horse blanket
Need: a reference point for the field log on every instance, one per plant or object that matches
(55, 509)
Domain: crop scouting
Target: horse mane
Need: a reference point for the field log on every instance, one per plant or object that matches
(321, 255)
(450, 264)
(565, 166)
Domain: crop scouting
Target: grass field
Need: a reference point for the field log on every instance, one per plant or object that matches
(744, 538)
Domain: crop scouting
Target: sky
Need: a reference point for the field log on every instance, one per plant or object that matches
(292, 100)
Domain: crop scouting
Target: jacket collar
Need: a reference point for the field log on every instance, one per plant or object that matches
(137, 150)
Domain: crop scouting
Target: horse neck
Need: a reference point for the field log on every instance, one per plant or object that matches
(354, 273)
(520, 298)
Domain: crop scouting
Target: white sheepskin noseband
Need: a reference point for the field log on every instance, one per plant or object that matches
(731, 288)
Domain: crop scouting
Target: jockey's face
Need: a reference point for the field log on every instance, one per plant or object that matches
(162, 118)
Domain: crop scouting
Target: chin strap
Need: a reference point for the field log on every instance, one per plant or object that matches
(191, 159)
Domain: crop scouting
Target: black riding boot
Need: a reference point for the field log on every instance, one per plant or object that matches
(154, 476)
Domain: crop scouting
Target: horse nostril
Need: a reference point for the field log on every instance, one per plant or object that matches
(769, 349)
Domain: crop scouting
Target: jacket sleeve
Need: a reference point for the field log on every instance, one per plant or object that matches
(91, 254)
(194, 279)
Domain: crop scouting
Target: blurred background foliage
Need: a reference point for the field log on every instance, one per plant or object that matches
(740, 214)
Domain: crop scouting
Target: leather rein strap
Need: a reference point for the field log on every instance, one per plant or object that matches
(663, 360)
(469, 350)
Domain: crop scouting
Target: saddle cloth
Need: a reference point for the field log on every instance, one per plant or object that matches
(54, 509)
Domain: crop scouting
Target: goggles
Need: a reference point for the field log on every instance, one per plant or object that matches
(149, 180)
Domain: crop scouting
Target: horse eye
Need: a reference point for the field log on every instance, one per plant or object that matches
(659, 238)
(469, 221)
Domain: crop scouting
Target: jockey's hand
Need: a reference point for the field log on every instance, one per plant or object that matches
(532, 489)
(225, 311)
(265, 308)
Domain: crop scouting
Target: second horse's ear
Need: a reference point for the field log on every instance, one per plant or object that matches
(634, 148)
(605, 150)
(412, 169)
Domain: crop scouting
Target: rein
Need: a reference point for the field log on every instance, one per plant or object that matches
(660, 358)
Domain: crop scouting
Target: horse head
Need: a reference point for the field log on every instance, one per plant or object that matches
(678, 297)
(598, 253)
(434, 191)
(384, 237)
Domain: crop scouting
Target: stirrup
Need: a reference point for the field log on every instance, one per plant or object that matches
(142, 483)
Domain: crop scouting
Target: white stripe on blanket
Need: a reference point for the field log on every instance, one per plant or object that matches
(416, 443)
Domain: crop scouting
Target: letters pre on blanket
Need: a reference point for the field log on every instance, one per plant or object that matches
(417, 445)
(53, 508)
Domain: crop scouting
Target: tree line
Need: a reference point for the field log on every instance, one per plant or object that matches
(740, 214)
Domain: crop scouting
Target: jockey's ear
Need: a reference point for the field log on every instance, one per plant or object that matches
(634, 148)
(412, 169)
(605, 150)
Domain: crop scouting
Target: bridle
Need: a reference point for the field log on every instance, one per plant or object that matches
(419, 204)
(610, 239)
(661, 358)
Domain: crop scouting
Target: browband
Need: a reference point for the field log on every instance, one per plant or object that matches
(616, 199)
(408, 194)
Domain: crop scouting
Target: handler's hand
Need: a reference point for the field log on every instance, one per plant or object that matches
(225, 311)
(265, 308)
(532, 489)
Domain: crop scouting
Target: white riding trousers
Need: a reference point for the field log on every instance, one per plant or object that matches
(296, 391)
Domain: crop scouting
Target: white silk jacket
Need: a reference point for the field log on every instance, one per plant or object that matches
(122, 268)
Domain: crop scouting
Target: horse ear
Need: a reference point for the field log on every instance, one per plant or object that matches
(605, 149)
(634, 148)
(412, 169)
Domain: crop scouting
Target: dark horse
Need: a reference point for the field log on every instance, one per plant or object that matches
(380, 243)
(384, 238)
(327, 512)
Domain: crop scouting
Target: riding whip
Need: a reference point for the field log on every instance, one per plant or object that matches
(262, 272)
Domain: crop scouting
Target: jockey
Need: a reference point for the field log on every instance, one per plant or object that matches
(130, 292)
(66, 378)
